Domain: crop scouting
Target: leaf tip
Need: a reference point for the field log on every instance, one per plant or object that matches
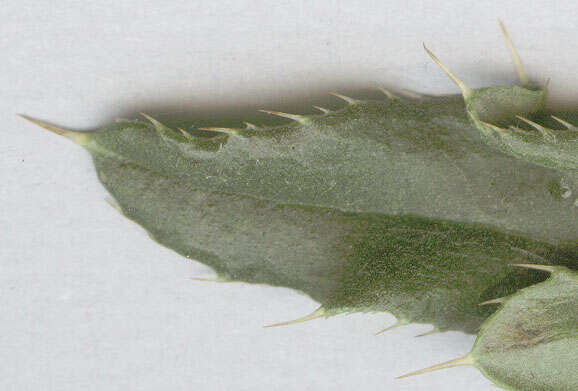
(77, 137)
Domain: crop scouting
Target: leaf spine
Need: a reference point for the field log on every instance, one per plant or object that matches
(157, 124)
(387, 93)
(427, 333)
(351, 101)
(544, 268)
(112, 202)
(462, 361)
(518, 130)
(412, 94)
(515, 56)
(250, 126)
(544, 131)
(78, 137)
(185, 134)
(466, 91)
(499, 300)
(231, 131)
(568, 125)
(295, 117)
(322, 109)
(499, 130)
(318, 313)
(397, 324)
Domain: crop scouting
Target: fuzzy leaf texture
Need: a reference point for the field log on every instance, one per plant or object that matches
(530, 343)
(420, 157)
(347, 261)
(414, 206)
(421, 270)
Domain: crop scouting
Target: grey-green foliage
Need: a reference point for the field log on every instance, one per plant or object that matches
(420, 157)
(502, 115)
(421, 270)
(461, 158)
(365, 209)
(415, 206)
(548, 141)
(530, 343)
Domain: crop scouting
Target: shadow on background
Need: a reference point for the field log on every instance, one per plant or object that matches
(239, 108)
(191, 111)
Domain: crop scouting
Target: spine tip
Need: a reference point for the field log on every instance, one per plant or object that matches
(318, 313)
(462, 361)
(77, 137)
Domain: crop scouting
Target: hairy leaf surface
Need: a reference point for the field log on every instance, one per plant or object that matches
(531, 342)
(421, 270)
(421, 157)
(413, 206)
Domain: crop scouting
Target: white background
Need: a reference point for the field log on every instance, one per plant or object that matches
(89, 302)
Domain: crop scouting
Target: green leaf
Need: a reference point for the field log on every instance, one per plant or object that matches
(531, 342)
(503, 116)
(401, 205)
(420, 157)
(462, 158)
(421, 270)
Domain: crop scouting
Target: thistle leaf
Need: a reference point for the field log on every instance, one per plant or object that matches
(490, 156)
(420, 157)
(407, 205)
(531, 342)
(421, 270)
